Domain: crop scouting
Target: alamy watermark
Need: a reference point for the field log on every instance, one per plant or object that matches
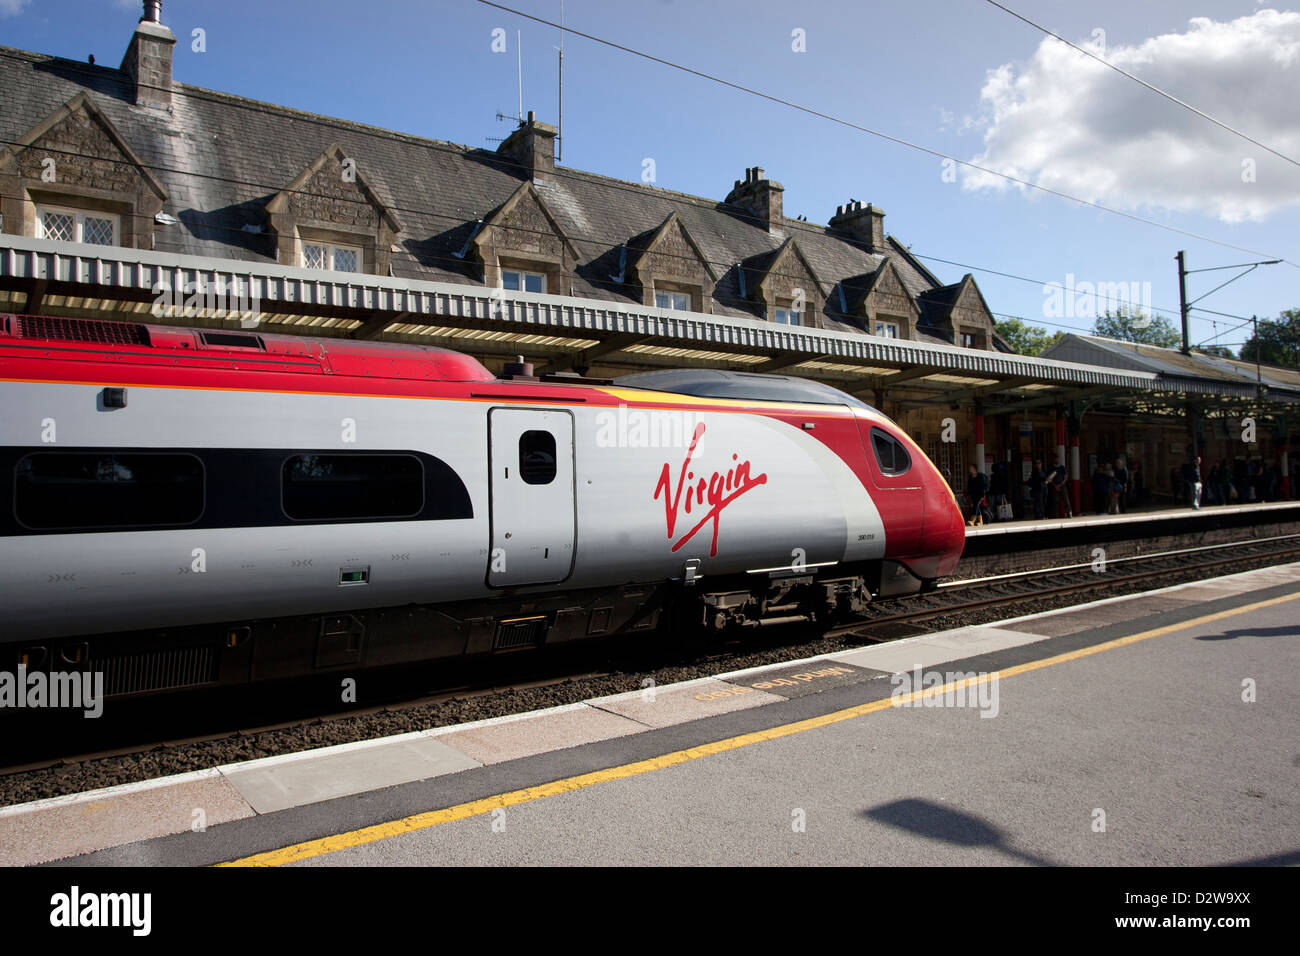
(642, 428)
(212, 300)
(61, 690)
(919, 688)
(1087, 300)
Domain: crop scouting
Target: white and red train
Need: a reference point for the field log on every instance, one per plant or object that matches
(188, 506)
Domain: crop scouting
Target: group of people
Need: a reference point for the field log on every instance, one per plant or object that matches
(1116, 486)
(1238, 482)
(1049, 491)
(988, 497)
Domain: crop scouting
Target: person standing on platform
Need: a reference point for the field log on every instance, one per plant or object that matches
(1121, 476)
(1115, 490)
(1194, 477)
(1100, 489)
(1060, 500)
(977, 487)
(1038, 488)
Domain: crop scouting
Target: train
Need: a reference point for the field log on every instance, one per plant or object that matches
(190, 507)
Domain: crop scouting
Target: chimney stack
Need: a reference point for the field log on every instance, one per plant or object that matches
(864, 222)
(760, 197)
(148, 60)
(532, 146)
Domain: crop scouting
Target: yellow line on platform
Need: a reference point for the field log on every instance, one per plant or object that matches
(462, 811)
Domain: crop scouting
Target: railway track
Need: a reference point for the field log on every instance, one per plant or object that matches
(1003, 590)
(591, 672)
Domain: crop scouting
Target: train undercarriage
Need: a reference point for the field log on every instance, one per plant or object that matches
(253, 651)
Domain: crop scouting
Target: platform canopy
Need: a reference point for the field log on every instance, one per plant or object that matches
(43, 276)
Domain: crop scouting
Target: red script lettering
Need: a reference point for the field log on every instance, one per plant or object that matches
(717, 491)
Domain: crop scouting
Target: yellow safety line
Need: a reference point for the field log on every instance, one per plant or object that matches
(462, 811)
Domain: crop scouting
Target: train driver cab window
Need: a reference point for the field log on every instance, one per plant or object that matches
(537, 457)
(890, 453)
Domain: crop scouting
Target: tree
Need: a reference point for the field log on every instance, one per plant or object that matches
(1026, 339)
(1278, 342)
(1219, 351)
(1137, 327)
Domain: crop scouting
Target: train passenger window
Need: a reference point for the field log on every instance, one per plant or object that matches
(537, 458)
(338, 487)
(890, 453)
(90, 490)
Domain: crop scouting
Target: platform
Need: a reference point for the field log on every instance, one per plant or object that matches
(1232, 514)
(1131, 706)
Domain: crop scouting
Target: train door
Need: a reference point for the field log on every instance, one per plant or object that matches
(531, 464)
(898, 492)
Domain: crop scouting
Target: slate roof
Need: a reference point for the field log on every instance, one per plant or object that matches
(221, 158)
(1170, 363)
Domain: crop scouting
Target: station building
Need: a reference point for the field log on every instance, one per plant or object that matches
(127, 195)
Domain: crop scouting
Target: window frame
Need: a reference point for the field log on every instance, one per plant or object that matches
(777, 311)
(524, 275)
(79, 222)
(893, 330)
(671, 295)
(331, 250)
(111, 453)
(554, 453)
(897, 446)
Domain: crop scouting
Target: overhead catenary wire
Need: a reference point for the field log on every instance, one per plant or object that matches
(455, 263)
(332, 125)
(426, 255)
(811, 111)
(1137, 79)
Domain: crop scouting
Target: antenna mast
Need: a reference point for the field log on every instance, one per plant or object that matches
(519, 67)
(559, 139)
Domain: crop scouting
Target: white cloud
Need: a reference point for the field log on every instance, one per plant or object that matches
(11, 8)
(1067, 122)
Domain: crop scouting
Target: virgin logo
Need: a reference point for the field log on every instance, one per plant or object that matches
(714, 493)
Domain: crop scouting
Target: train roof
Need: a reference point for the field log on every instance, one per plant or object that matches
(337, 356)
(748, 386)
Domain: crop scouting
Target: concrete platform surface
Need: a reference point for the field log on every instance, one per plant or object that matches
(249, 807)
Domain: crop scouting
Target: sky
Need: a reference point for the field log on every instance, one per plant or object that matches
(962, 78)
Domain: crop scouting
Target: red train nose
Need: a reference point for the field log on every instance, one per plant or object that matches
(943, 537)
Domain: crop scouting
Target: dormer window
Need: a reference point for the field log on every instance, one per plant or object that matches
(673, 300)
(972, 340)
(888, 330)
(518, 281)
(75, 225)
(787, 317)
(331, 256)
